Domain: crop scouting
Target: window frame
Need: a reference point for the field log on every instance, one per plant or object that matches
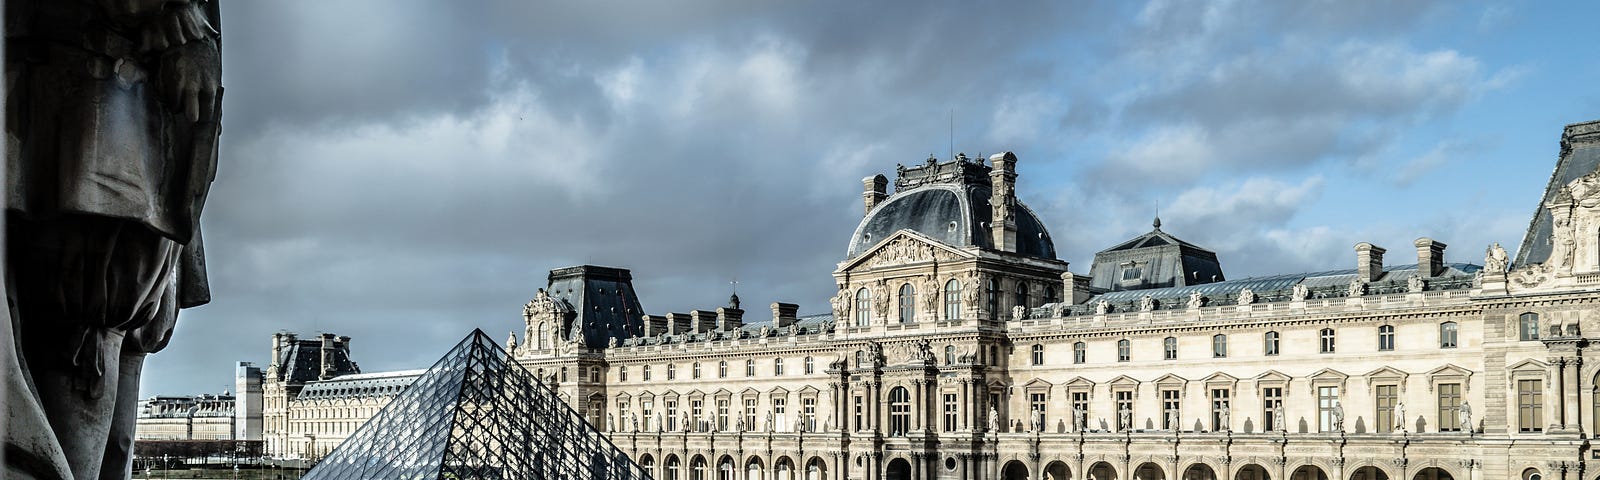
(1272, 343)
(1219, 346)
(1327, 340)
(1169, 348)
(1080, 353)
(1528, 327)
(1036, 354)
(908, 303)
(1449, 334)
(1124, 351)
(1386, 338)
(952, 299)
(863, 313)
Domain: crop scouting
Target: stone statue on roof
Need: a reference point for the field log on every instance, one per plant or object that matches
(1247, 296)
(1196, 300)
(1494, 258)
(1147, 303)
(1415, 284)
(1019, 312)
(1101, 307)
(1357, 288)
(1300, 293)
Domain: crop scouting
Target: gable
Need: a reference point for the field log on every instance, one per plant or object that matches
(905, 247)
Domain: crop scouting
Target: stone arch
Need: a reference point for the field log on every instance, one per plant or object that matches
(698, 469)
(897, 469)
(1433, 473)
(783, 469)
(754, 468)
(816, 469)
(1251, 471)
(1198, 471)
(1149, 471)
(726, 469)
(672, 468)
(1368, 472)
(1014, 470)
(1101, 471)
(1057, 470)
(1308, 471)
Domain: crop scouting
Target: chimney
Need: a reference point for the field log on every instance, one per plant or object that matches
(677, 324)
(730, 318)
(653, 324)
(784, 314)
(1003, 201)
(876, 189)
(1430, 257)
(1369, 261)
(277, 348)
(327, 356)
(701, 322)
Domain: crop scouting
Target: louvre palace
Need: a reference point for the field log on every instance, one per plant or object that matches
(959, 346)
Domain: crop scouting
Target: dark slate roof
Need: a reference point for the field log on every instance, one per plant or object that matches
(1275, 288)
(809, 324)
(1169, 262)
(362, 384)
(1580, 155)
(603, 302)
(301, 360)
(956, 214)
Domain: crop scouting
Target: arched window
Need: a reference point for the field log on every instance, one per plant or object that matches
(777, 367)
(994, 298)
(908, 303)
(544, 336)
(950, 355)
(1037, 352)
(811, 366)
(1080, 352)
(1528, 326)
(722, 369)
(1327, 340)
(1385, 338)
(1169, 348)
(1022, 295)
(952, 299)
(1271, 342)
(697, 469)
(1124, 350)
(863, 307)
(725, 469)
(1219, 346)
(674, 468)
(899, 412)
(1447, 335)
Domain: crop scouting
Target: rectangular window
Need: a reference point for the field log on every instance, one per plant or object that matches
(1169, 348)
(1219, 346)
(811, 366)
(1038, 355)
(1080, 352)
(1530, 405)
(1449, 407)
(808, 407)
(1080, 406)
(1271, 401)
(1447, 335)
(951, 409)
(1036, 404)
(858, 414)
(1387, 396)
(750, 414)
(1386, 338)
(722, 415)
(1124, 351)
(1327, 340)
(1125, 405)
(1170, 403)
(1220, 403)
(622, 412)
(749, 368)
(697, 415)
(647, 410)
(672, 372)
(646, 373)
(777, 367)
(622, 374)
(696, 370)
(1327, 397)
(1271, 339)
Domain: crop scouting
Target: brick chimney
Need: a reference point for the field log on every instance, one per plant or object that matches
(1430, 257)
(1003, 201)
(784, 314)
(875, 190)
(1369, 261)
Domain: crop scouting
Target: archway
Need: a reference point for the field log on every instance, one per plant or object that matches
(1369, 473)
(1014, 470)
(648, 464)
(674, 468)
(697, 468)
(1308, 472)
(783, 469)
(1252, 472)
(898, 469)
(816, 469)
(1149, 471)
(1433, 473)
(1102, 471)
(753, 469)
(725, 469)
(1057, 471)
(1199, 471)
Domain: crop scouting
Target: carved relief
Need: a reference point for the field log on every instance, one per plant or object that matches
(1531, 275)
(1300, 293)
(1247, 296)
(905, 250)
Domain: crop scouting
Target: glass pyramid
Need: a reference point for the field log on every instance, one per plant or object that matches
(476, 415)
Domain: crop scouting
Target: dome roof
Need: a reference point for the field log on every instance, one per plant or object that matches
(955, 214)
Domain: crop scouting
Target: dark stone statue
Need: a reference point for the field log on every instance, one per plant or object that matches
(112, 123)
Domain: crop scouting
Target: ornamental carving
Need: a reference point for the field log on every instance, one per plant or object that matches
(905, 250)
(917, 352)
(1494, 258)
(1300, 293)
(841, 304)
(1247, 296)
(1531, 275)
(930, 295)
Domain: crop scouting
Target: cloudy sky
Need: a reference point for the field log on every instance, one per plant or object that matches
(404, 171)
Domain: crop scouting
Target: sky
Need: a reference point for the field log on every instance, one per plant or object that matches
(403, 171)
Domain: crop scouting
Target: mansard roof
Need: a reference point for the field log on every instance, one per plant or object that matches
(1580, 155)
(1155, 259)
(948, 202)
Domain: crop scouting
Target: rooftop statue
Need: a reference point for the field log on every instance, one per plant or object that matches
(112, 111)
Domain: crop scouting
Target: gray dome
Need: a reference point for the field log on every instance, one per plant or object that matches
(955, 215)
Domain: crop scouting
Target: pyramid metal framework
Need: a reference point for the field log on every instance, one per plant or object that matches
(477, 415)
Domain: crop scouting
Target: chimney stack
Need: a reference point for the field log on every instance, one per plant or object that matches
(327, 356)
(678, 324)
(1369, 261)
(729, 318)
(1430, 257)
(876, 189)
(701, 322)
(1003, 201)
(784, 314)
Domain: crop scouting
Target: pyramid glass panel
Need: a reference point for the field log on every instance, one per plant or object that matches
(477, 415)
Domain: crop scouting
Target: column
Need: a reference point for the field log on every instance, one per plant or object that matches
(916, 464)
(1554, 403)
(919, 406)
(1574, 396)
(966, 405)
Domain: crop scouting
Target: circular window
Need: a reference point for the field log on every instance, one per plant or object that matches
(867, 236)
(950, 464)
(952, 227)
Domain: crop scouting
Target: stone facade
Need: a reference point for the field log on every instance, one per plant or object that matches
(200, 417)
(313, 396)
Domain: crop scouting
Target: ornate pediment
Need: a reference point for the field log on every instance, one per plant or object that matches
(905, 247)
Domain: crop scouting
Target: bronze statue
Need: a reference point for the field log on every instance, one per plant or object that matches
(112, 123)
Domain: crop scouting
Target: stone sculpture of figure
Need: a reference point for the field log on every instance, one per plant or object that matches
(994, 420)
(511, 342)
(1494, 259)
(1196, 300)
(1277, 417)
(1464, 415)
(1101, 307)
(770, 419)
(1147, 303)
(972, 292)
(661, 424)
(930, 295)
(1080, 419)
(112, 118)
(739, 425)
(1223, 416)
(613, 342)
(633, 421)
(1124, 419)
(1173, 421)
(1400, 416)
(1415, 284)
(841, 304)
(827, 425)
(1247, 296)
(1357, 288)
(1019, 312)
(1338, 417)
(880, 301)
(611, 423)
(1300, 293)
(1038, 420)
(686, 426)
